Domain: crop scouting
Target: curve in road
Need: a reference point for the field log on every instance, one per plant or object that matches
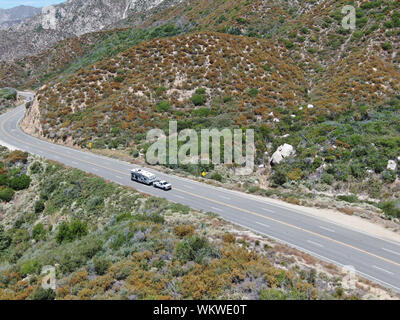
(374, 258)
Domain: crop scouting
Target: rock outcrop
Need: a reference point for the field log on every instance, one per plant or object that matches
(392, 165)
(281, 153)
(31, 122)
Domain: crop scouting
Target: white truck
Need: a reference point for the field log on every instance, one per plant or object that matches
(143, 176)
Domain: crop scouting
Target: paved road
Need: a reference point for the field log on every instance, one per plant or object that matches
(375, 258)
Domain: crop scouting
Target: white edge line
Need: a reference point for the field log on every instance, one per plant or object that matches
(249, 228)
(262, 224)
(367, 276)
(315, 243)
(327, 229)
(384, 270)
(263, 200)
(391, 251)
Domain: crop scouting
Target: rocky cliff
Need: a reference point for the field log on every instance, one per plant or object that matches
(71, 18)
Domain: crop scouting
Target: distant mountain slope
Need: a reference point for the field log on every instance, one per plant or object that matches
(72, 54)
(242, 77)
(72, 18)
(9, 17)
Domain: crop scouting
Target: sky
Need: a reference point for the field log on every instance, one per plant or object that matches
(5, 4)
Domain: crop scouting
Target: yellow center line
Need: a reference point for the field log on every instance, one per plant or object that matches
(211, 200)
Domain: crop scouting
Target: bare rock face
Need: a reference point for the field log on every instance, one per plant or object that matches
(281, 153)
(31, 123)
(69, 19)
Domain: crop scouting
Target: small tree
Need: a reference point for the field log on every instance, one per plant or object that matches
(6, 194)
(71, 231)
(279, 178)
(199, 99)
(39, 206)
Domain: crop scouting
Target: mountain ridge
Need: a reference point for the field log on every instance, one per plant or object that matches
(66, 20)
(15, 15)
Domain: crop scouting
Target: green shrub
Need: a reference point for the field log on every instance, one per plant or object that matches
(71, 231)
(201, 91)
(6, 194)
(39, 232)
(289, 44)
(357, 170)
(202, 112)
(30, 267)
(3, 179)
(253, 92)
(39, 206)
(135, 153)
(196, 249)
(119, 79)
(21, 182)
(95, 202)
(328, 178)
(391, 208)
(279, 178)
(272, 294)
(199, 99)
(43, 294)
(101, 265)
(387, 46)
(36, 167)
(227, 99)
(5, 239)
(163, 106)
(348, 198)
(389, 176)
(216, 176)
(177, 207)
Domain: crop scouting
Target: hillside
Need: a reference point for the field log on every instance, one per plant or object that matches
(67, 20)
(9, 17)
(8, 97)
(308, 32)
(243, 80)
(70, 55)
(223, 80)
(110, 242)
(106, 72)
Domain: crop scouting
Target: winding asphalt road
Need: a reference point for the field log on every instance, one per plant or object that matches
(374, 258)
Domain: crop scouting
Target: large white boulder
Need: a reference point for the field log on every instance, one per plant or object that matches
(392, 165)
(282, 152)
